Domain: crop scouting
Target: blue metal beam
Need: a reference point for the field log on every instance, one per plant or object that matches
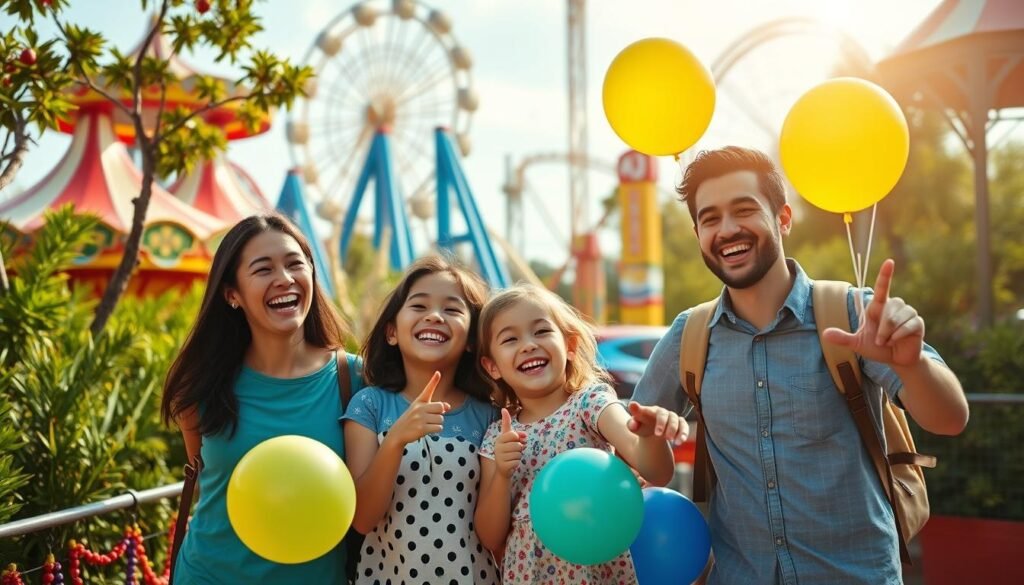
(450, 176)
(389, 207)
(292, 203)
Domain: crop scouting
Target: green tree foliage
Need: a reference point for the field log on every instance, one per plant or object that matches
(169, 141)
(11, 476)
(979, 472)
(82, 412)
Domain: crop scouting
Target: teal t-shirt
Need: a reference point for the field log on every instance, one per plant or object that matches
(267, 407)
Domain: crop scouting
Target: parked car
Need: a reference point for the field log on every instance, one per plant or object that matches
(623, 350)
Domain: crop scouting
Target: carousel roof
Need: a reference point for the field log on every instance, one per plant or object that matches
(960, 36)
(97, 175)
(183, 94)
(954, 19)
(222, 189)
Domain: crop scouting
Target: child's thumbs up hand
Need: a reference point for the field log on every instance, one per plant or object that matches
(508, 448)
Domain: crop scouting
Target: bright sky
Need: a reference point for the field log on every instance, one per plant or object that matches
(520, 73)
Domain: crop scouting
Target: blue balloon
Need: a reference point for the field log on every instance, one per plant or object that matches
(586, 506)
(674, 542)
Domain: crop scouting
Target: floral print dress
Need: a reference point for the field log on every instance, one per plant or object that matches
(527, 561)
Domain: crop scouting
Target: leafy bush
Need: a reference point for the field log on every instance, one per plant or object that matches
(84, 411)
(979, 472)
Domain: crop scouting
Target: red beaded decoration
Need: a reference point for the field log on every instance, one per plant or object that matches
(148, 574)
(52, 572)
(132, 547)
(11, 576)
(79, 552)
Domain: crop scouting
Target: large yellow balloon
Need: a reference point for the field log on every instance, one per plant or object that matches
(291, 499)
(844, 144)
(658, 97)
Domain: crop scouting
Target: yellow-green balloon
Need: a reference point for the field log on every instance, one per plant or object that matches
(291, 499)
(844, 144)
(658, 97)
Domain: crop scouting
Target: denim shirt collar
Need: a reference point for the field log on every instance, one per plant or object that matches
(798, 301)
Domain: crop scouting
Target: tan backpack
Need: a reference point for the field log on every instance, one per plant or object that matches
(899, 470)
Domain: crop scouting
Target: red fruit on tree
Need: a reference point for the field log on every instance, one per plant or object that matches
(6, 81)
(28, 57)
(10, 68)
(202, 6)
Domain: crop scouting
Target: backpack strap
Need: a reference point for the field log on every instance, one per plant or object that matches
(344, 379)
(831, 310)
(693, 356)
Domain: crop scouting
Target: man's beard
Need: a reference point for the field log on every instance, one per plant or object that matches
(766, 253)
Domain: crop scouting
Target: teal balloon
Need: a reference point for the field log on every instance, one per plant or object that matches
(586, 506)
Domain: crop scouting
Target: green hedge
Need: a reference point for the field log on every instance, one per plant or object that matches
(980, 472)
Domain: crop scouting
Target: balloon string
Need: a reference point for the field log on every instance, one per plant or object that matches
(853, 255)
(871, 235)
(855, 258)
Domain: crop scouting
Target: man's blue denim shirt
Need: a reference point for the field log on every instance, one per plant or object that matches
(797, 499)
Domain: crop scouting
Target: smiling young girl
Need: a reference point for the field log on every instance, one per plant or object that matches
(261, 361)
(413, 436)
(542, 358)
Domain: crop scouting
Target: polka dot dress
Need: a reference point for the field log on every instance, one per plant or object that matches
(427, 535)
(527, 561)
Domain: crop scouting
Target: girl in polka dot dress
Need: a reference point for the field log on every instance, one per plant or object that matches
(412, 438)
(541, 355)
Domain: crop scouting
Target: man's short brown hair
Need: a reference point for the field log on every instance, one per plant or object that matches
(711, 164)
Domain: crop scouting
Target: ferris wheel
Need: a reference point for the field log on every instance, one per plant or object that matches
(381, 67)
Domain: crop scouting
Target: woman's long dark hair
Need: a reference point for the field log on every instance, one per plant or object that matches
(203, 375)
(382, 362)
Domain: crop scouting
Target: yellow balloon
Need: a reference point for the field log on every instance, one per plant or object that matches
(291, 499)
(844, 144)
(658, 97)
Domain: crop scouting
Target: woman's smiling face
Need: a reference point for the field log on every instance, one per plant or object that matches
(274, 284)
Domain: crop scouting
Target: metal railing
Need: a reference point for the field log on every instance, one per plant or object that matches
(130, 499)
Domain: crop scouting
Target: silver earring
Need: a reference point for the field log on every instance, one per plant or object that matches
(234, 305)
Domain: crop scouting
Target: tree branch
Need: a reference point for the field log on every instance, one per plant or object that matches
(17, 155)
(137, 68)
(88, 82)
(145, 143)
(212, 106)
(157, 136)
(92, 85)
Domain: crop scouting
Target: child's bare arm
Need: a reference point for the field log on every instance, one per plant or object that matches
(641, 437)
(374, 469)
(493, 516)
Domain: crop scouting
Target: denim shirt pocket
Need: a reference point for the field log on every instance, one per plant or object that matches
(817, 405)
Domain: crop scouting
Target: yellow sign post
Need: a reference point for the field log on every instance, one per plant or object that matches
(640, 271)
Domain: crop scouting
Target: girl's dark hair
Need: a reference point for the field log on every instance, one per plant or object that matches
(203, 375)
(382, 362)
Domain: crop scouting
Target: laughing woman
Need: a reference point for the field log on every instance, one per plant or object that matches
(262, 360)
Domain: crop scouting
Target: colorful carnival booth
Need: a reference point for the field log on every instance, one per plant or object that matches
(97, 174)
